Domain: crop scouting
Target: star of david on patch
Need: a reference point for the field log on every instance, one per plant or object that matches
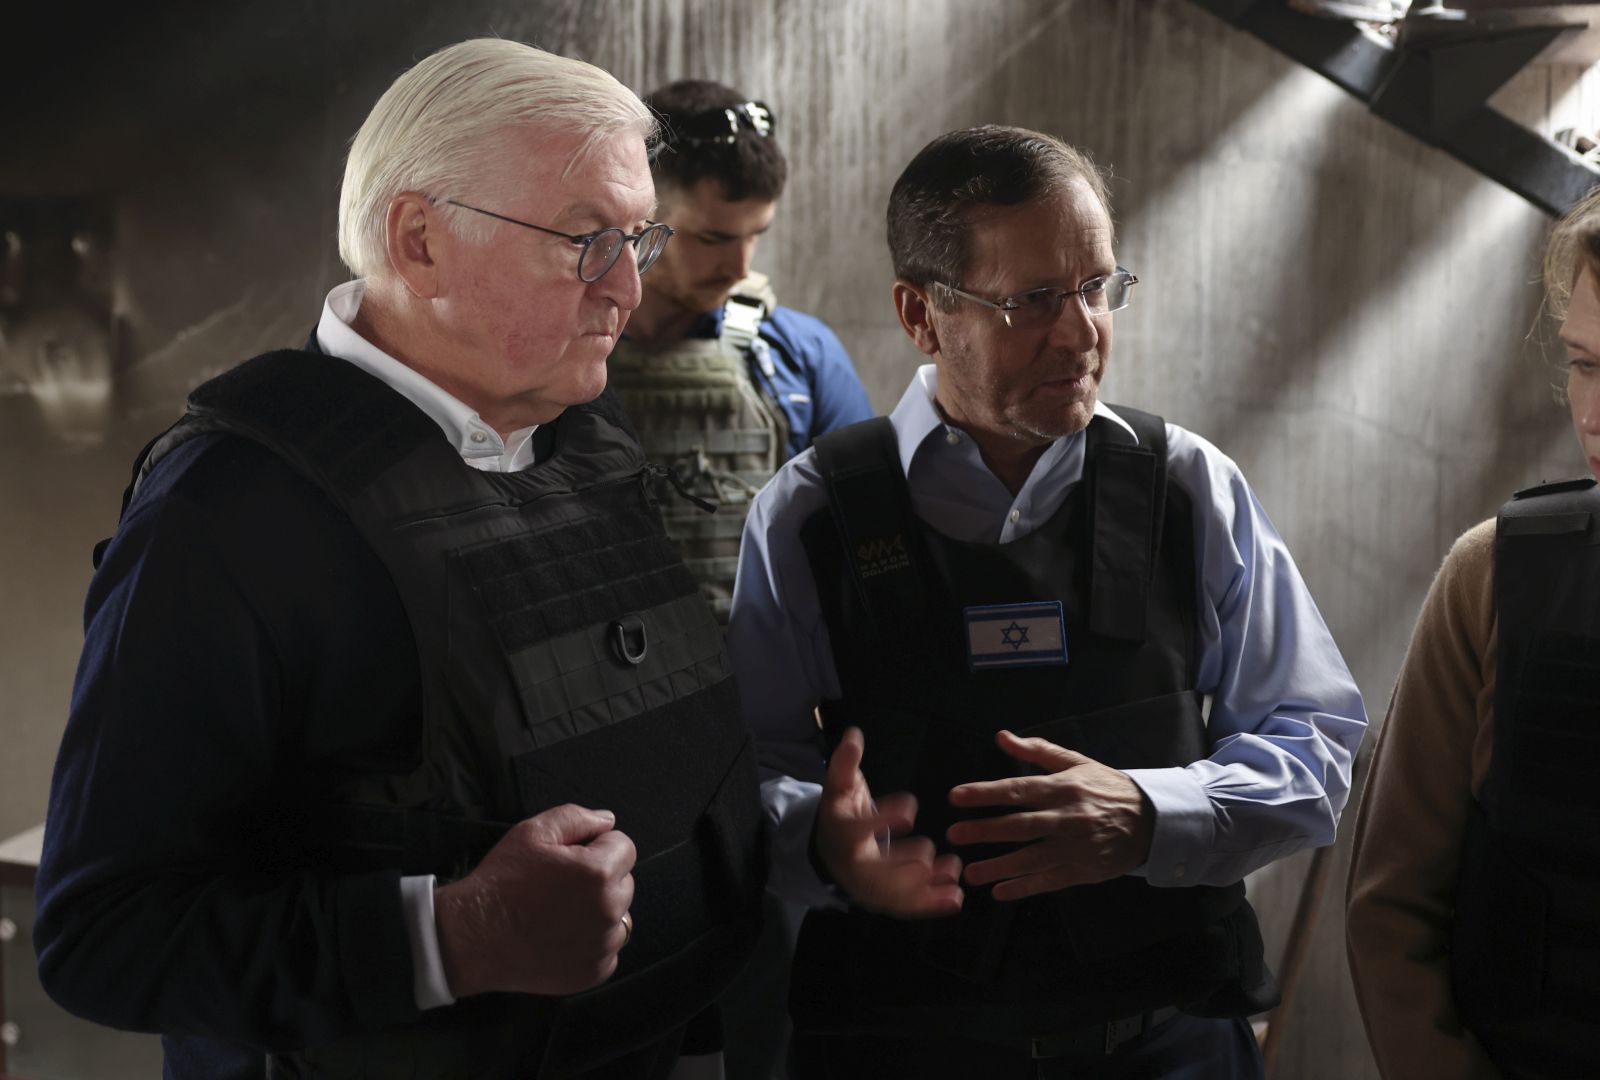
(1014, 635)
(1028, 634)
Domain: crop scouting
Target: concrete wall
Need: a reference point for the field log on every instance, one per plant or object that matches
(1342, 309)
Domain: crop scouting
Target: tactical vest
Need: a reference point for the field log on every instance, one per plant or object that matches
(704, 408)
(1525, 950)
(565, 655)
(900, 601)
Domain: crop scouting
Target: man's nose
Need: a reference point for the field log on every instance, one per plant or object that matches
(1074, 327)
(621, 283)
(741, 253)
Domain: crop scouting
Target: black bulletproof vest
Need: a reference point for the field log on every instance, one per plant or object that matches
(1525, 956)
(565, 655)
(1119, 557)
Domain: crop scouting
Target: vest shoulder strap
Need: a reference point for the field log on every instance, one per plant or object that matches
(751, 301)
(1546, 561)
(305, 405)
(1128, 497)
(877, 529)
(309, 397)
(1549, 509)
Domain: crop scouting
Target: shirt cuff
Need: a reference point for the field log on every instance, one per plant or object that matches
(428, 984)
(1184, 828)
(791, 807)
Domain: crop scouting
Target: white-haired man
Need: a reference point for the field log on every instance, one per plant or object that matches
(402, 742)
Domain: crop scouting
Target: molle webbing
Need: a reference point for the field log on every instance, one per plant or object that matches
(699, 412)
(541, 585)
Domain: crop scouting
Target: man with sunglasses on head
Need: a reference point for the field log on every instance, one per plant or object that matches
(1024, 839)
(722, 384)
(403, 744)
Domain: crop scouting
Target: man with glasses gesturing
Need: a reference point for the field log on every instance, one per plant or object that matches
(1023, 845)
(402, 743)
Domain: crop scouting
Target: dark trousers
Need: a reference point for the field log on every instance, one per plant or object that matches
(1183, 1048)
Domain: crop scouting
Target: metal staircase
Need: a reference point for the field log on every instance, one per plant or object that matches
(1430, 69)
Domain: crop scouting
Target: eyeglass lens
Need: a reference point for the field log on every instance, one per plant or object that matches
(1038, 308)
(602, 251)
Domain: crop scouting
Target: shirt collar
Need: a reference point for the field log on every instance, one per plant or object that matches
(477, 443)
(916, 417)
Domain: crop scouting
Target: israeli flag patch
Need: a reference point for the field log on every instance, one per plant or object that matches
(1015, 635)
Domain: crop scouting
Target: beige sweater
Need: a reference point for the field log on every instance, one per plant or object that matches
(1431, 760)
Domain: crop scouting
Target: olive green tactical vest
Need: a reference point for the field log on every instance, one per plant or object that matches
(702, 408)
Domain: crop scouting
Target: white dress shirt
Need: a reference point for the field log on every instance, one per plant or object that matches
(478, 444)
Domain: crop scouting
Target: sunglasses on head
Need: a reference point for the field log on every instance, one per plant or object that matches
(724, 125)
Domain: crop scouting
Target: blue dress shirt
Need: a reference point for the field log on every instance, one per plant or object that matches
(1285, 716)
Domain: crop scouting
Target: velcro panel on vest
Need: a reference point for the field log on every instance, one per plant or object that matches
(578, 682)
(872, 511)
(1124, 525)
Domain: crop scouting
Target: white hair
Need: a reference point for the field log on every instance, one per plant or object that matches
(433, 131)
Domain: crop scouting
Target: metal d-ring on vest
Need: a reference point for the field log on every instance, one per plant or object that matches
(704, 408)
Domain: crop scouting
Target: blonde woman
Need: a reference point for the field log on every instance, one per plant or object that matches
(1474, 900)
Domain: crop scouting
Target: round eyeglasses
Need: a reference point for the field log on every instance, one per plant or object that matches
(601, 249)
(1038, 308)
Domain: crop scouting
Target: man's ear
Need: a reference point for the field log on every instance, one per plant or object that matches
(912, 304)
(413, 233)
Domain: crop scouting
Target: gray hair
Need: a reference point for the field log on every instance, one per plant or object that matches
(433, 131)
